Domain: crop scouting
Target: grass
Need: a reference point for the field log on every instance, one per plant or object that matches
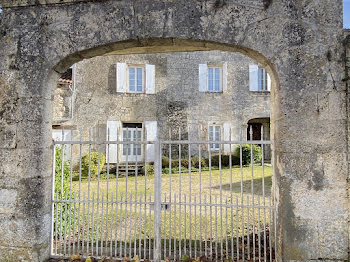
(125, 224)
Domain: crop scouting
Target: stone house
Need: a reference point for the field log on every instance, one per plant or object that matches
(204, 95)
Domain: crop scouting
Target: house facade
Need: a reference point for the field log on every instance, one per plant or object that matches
(204, 95)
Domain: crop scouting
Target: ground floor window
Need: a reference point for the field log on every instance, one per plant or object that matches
(132, 132)
(214, 135)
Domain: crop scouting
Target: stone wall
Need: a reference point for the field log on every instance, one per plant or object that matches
(300, 42)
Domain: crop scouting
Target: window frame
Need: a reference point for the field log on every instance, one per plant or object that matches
(209, 66)
(215, 147)
(142, 80)
(262, 80)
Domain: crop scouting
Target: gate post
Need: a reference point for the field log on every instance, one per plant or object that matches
(157, 201)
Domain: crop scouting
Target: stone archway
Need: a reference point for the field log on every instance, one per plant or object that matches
(295, 41)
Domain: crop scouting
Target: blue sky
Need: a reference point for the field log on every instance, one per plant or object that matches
(346, 13)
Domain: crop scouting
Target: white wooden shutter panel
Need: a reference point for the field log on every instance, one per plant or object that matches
(121, 77)
(113, 128)
(203, 70)
(150, 79)
(253, 78)
(151, 135)
(268, 82)
(227, 136)
(224, 77)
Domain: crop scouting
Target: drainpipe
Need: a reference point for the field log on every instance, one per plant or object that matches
(71, 101)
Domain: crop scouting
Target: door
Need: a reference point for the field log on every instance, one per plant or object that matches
(132, 152)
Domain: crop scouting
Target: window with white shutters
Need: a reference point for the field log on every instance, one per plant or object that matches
(214, 135)
(212, 78)
(135, 78)
(259, 79)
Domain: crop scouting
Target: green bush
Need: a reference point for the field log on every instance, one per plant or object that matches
(93, 164)
(225, 160)
(149, 169)
(165, 162)
(246, 149)
(195, 162)
(59, 179)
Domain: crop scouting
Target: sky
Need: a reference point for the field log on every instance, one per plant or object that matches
(346, 4)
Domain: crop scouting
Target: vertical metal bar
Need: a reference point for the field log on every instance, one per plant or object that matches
(242, 198)
(125, 223)
(200, 191)
(70, 198)
(130, 222)
(107, 194)
(52, 198)
(135, 224)
(74, 222)
(216, 227)
(62, 163)
(92, 223)
(263, 188)
(226, 231)
(102, 218)
(79, 189)
(221, 233)
(190, 196)
(231, 193)
(252, 186)
(56, 222)
(65, 224)
(270, 235)
(175, 219)
(206, 226)
(210, 205)
(195, 226)
(157, 203)
(121, 226)
(88, 196)
(164, 229)
(149, 229)
(259, 235)
(248, 228)
(170, 199)
(180, 187)
(185, 222)
(111, 228)
(83, 223)
(237, 233)
(140, 227)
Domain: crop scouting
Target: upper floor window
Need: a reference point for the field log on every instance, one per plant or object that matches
(259, 79)
(135, 78)
(212, 78)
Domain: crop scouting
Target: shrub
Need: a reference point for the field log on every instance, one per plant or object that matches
(149, 169)
(195, 162)
(246, 149)
(165, 162)
(93, 164)
(184, 163)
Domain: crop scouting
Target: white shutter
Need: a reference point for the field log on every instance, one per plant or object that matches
(121, 77)
(67, 136)
(227, 136)
(112, 153)
(203, 70)
(268, 82)
(253, 78)
(150, 79)
(151, 135)
(224, 77)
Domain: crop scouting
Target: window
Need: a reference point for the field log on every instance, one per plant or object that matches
(135, 75)
(214, 135)
(262, 80)
(135, 79)
(212, 78)
(132, 132)
(259, 79)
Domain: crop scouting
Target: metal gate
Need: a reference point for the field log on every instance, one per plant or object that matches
(192, 202)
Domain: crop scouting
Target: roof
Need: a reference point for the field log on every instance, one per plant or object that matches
(66, 77)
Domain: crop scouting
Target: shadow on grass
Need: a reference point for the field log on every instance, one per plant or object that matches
(257, 183)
